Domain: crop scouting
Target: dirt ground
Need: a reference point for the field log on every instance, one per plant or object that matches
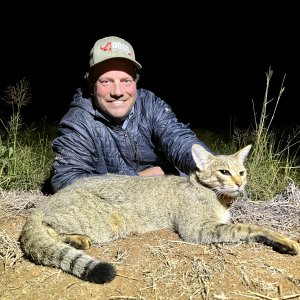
(159, 265)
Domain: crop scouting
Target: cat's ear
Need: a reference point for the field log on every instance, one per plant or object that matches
(243, 153)
(201, 156)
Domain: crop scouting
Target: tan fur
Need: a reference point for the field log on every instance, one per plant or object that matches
(105, 208)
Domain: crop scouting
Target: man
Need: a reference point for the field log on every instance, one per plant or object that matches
(118, 128)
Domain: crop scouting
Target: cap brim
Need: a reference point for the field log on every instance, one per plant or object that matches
(137, 65)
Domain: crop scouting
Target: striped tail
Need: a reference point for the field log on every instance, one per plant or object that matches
(44, 249)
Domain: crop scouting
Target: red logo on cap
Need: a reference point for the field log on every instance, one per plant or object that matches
(106, 47)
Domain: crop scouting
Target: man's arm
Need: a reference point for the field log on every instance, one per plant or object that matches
(154, 171)
(176, 139)
(74, 155)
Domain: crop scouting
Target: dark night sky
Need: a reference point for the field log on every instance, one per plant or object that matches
(209, 65)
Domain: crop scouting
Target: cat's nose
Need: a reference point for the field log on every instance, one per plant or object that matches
(238, 181)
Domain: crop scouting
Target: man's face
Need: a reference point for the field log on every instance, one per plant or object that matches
(115, 87)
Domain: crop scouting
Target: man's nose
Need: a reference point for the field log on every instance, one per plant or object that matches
(117, 89)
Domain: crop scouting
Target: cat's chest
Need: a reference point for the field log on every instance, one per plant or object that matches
(225, 216)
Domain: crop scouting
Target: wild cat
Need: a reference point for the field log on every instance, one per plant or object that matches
(105, 208)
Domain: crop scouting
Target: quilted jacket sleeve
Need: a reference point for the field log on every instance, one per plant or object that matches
(75, 150)
(175, 138)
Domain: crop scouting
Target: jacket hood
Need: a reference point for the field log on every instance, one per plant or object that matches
(86, 104)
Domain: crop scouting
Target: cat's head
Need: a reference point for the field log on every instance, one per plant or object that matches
(225, 174)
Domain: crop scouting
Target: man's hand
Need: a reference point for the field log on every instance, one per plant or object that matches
(154, 171)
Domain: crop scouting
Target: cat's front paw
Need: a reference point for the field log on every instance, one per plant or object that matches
(289, 247)
(296, 247)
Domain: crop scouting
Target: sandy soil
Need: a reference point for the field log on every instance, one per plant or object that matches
(156, 265)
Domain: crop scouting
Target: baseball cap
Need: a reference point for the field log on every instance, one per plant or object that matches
(112, 47)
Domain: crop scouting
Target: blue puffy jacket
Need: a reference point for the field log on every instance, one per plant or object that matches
(89, 144)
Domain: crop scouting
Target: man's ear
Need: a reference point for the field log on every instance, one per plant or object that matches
(90, 82)
(137, 76)
(86, 75)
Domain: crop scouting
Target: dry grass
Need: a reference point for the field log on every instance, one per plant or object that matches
(11, 205)
(282, 213)
(10, 252)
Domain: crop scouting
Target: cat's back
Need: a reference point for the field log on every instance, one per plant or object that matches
(92, 192)
(112, 185)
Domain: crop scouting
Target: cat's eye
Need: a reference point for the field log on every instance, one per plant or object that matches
(225, 172)
(242, 173)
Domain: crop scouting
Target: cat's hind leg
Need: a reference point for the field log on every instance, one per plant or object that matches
(78, 241)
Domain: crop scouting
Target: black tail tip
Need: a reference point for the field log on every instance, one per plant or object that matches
(102, 273)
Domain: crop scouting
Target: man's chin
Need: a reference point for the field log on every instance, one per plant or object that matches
(118, 117)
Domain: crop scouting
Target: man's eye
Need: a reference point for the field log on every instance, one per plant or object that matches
(127, 81)
(105, 82)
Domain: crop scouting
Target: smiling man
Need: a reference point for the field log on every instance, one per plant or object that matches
(118, 128)
(115, 88)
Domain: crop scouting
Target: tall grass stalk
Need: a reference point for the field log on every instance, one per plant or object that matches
(25, 155)
(274, 155)
(274, 159)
